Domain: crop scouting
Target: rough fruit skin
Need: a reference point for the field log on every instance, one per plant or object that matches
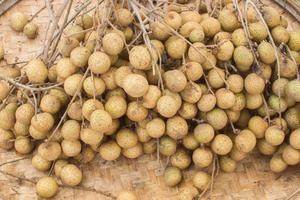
(254, 84)
(266, 52)
(257, 31)
(280, 35)
(211, 26)
(36, 71)
(228, 20)
(124, 17)
(201, 180)
(140, 57)
(225, 50)
(110, 151)
(176, 47)
(245, 141)
(172, 176)
(71, 175)
(30, 30)
(112, 43)
(100, 120)
(79, 56)
(46, 187)
(243, 58)
(217, 118)
(18, 20)
(175, 80)
(135, 85)
(202, 157)
(50, 151)
(294, 42)
(295, 139)
(292, 90)
(221, 144)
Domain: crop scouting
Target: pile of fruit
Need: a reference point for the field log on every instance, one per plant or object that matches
(199, 84)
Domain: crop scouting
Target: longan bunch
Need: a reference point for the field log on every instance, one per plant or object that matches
(192, 89)
(20, 23)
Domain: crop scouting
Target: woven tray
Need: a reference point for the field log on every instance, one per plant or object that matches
(252, 179)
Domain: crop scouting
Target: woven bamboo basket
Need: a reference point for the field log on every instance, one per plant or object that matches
(252, 179)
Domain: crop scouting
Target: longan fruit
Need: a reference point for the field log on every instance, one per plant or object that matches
(73, 84)
(181, 159)
(142, 134)
(90, 136)
(176, 127)
(265, 148)
(235, 82)
(85, 21)
(71, 148)
(136, 112)
(40, 164)
(207, 102)
(17, 21)
(266, 52)
(175, 80)
(151, 97)
(175, 95)
(189, 141)
(79, 56)
(100, 120)
(197, 35)
(75, 111)
(70, 130)
(42, 122)
(228, 20)
(258, 31)
(30, 30)
(10, 72)
(112, 43)
(24, 113)
(190, 16)
(5, 139)
(135, 85)
(288, 68)
(7, 119)
(221, 144)
(225, 98)
(225, 50)
(202, 157)
(167, 106)
(99, 62)
(126, 194)
(253, 101)
(274, 135)
(271, 16)
(191, 93)
(295, 139)
(188, 110)
(124, 17)
(167, 146)
(290, 155)
(76, 32)
(292, 88)
(159, 31)
(36, 134)
(116, 106)
(197, 53)
(113, 128)
(49, 151)
(217, 118)
(245, 141)
(108, 78)
(4, 90)
(61, 95)
(50, 104)
(176, 47)
(21, 129)
(236, 154)
(172, 176)
(46, 187)
(292, 117)
(238, 37)
(173, 19)
(280, 35)
(71, 175)
(278, 86)
(277, 164)
(121, 73)
(59, 164)
(36, 71)
(193, 71)
(216, 77)
(294, 41)
(133, 152)
(66, 45)
(93, 86)
(258, 126)
(186, 29)
(210, 62)
(150, 146)
(187, 191)
(156, 128)
(277, 104)
(254, 84)
(204, 133)
(211, 26)
(89, 106)
(227, 164)
(109, 150)
(65, 68)
(126, 138)
(23, 145)
(243, 58)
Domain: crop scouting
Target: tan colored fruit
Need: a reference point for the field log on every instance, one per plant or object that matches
(176, 127)
(228, 20)
(21, 129)
(71, 148)
(109, 151)
(85, 21)
(266, 52)
(99, 62)
(175, 80)
(290, 155)
(280, 35)
(75, 111)
(4, 90)
(221, 144)
(254, 84)
(277, 104)
(65, 68)
(258, 126)
(191, 93)
(90, 136)
(193, 71)
(42, 122)
(89, 106)
(227, 164)
(207, 102)
(254, 101)
(167, 146)
(156, 128)
(124, 17)
(46, 187)
(190, 142)
(216, 77)
(265, 148)
(151, 97)
(277, 164)
(186, 29)
(271, 16)
(245, 141)
(36, 71)
(292, 88)
(24, 113)
(23, 145)
(236, 154)
(17, 21)
(93, 86)
(76, 32)
(201, 180)
(274, 136)
(173, 19)
(30, 30)
(140, 57)
(204, 133)
(66, 45)
(211, 26)
(59, 164)
(133, 152)
(294, 42)
(197, 35)
(135, 85)
(136, 112)
(49, 151)
(116, 106)
(100, 120)
(172, 176)
(176, 47)
(71, 175)
(73, 84)
(243, 58)
(238, 38)
(225, 98)
(188, 110)
(197, 52)
(159, 30)
(295, 139)
(112, 43)
(5, 137)
(126, 138)
(257, 31)
(181, 159)
(188, 16)
(36, 134)
(167, 106)
(40, 163)
(225, 50)
(288, 68)
(79, 56)
(217, 118)
(202, 157)
(50, 104)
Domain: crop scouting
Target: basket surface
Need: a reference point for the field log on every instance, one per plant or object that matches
(252, 179)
